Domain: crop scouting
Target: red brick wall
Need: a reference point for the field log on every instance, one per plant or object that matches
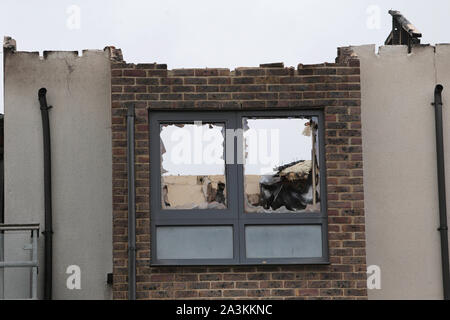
(333, 86)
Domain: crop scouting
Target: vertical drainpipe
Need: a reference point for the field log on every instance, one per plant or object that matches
(48, 232)
(2, 214)
(443, 228)
(131, 206)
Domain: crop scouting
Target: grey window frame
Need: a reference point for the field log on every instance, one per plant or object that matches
(234, 215)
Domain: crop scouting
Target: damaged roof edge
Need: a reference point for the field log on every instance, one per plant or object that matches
(387, 51)
(10, 45)
(345, 57)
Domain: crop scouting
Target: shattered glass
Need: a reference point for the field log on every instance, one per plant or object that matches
(193, 166)
(281, 168)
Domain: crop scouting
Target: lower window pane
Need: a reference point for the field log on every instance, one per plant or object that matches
(284, 241)
(197, 242)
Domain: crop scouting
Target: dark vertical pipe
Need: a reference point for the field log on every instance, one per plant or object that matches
(131, 206)
(443, 228)
(2, 207)
(2, 170)
(48, 232)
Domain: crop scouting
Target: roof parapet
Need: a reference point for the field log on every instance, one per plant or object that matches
(10, 46)
(114, 54)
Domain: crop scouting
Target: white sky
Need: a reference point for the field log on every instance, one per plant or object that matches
(275, 142)
(193, 150)
(216, 33)
(199, 149)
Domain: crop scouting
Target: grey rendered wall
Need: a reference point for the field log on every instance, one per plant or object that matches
(400, 166)
(79, 91)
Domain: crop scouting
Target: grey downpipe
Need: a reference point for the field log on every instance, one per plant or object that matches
(131, 206)
(443, 228)
(48, 231)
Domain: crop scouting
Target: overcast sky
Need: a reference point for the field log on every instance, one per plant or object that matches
(199, 149)
(213, 33)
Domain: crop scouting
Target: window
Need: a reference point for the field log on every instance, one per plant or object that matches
(237, 188)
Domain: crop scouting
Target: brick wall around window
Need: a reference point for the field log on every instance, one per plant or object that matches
(335, 87)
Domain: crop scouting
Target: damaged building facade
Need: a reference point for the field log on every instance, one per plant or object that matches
(208, 219)
(243, 247)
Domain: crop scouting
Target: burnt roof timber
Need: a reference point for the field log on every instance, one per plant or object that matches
(405, 24)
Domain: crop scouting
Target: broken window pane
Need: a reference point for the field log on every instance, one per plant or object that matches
(193, 166)
(281, 168)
